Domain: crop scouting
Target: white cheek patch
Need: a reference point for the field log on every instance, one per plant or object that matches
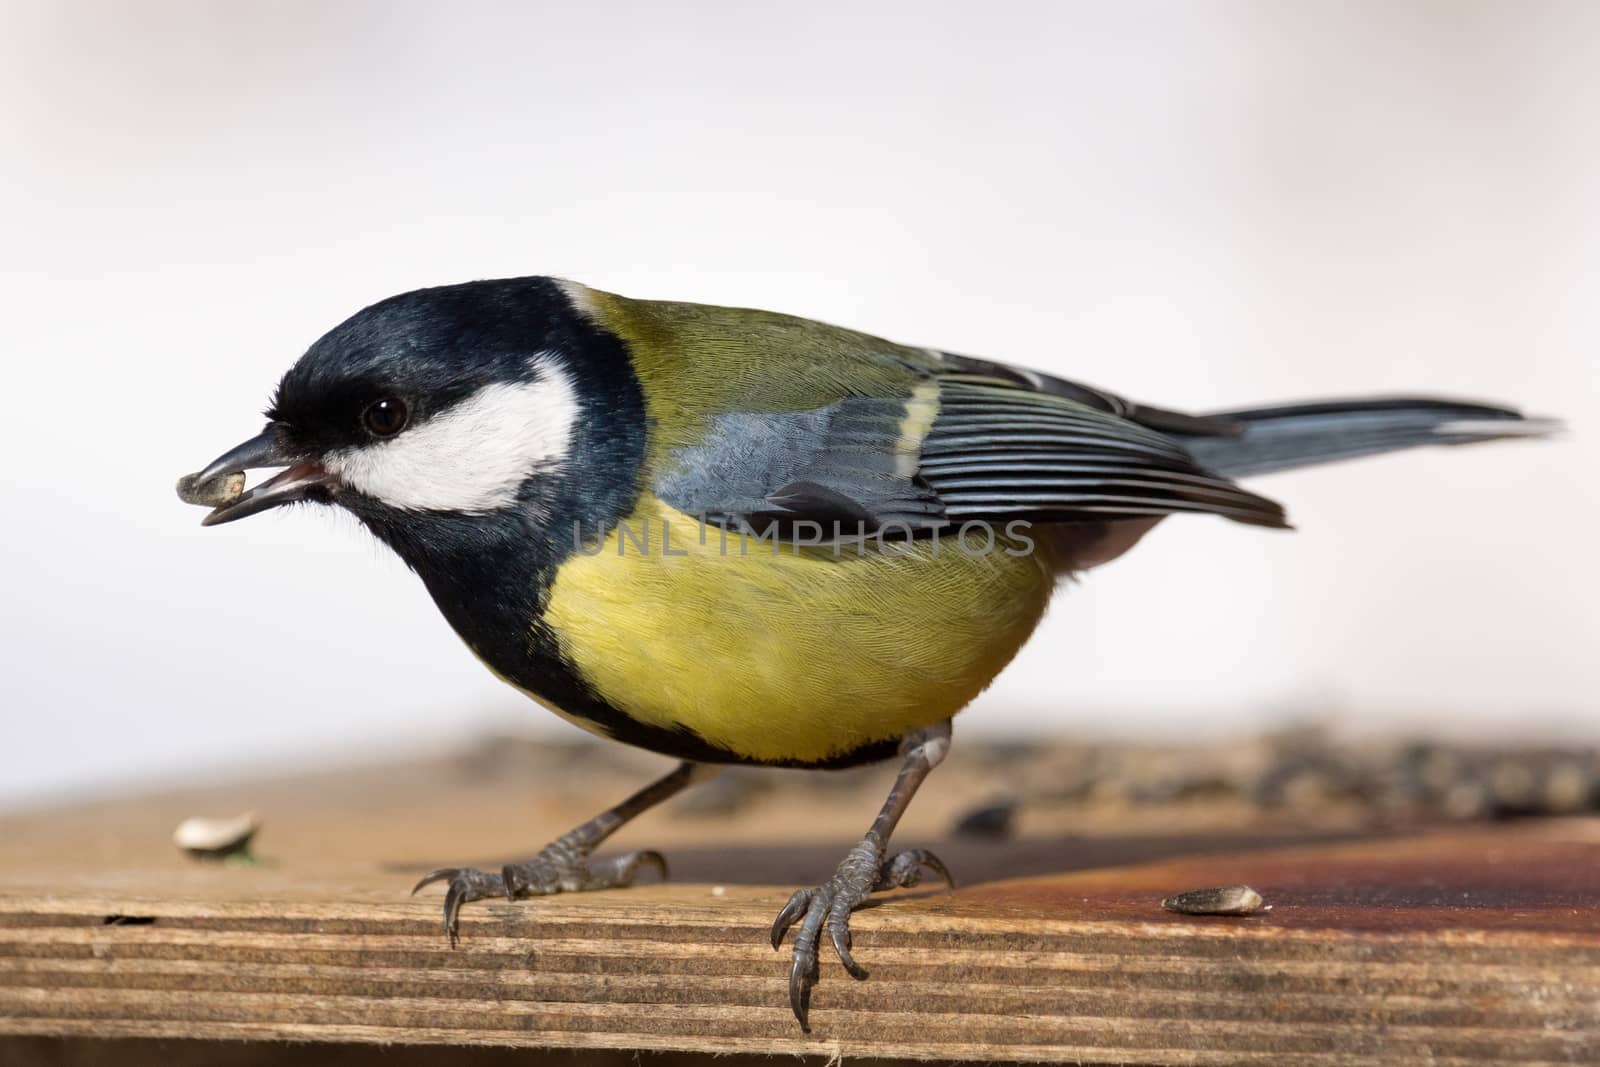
(474, 456)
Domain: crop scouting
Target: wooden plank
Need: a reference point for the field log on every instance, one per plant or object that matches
(1477, 945)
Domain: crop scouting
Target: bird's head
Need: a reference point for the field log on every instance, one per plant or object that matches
(444, 416)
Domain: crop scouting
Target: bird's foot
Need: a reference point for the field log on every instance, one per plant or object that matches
(563, 866)
(828, 907)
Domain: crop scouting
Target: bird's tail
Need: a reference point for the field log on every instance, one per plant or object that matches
(1298, 435)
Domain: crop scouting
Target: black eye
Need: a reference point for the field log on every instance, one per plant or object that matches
(386, 417)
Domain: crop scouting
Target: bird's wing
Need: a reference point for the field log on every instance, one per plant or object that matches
(962, 439)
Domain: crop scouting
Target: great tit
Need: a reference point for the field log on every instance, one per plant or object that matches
(739, 537)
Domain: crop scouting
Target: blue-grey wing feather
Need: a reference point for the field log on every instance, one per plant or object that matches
(993, 442)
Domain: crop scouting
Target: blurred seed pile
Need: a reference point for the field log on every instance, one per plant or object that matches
(1300, 774)
(1298, 778)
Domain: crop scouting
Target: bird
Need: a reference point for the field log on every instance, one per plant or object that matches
(732, 536)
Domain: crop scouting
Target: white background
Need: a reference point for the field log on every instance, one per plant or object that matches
(1197, 204)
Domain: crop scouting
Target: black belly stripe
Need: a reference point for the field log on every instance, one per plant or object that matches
(552, 678)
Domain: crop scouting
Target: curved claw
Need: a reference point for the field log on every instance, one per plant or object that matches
(647, 857)
(435, 876)
(802, 976)
(804, 967)
(453, 899)
(466, 883)
(800, 1001)
(790, 915)
(840, 933)
(935, 864)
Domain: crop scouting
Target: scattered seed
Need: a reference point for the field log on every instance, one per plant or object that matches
(1568, 787)
(992, 820)
(1221, 900)
(1467, 799)
(216, 839)
(1513, 784)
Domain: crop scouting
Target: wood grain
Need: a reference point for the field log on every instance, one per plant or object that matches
(1460, 946)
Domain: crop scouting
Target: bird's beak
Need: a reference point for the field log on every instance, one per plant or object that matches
(302, 478)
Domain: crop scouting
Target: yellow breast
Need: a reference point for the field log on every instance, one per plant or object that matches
(782, 654)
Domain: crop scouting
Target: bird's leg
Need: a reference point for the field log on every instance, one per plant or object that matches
(563, 865)
(866, 869)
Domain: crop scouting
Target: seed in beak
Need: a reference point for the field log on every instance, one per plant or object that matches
(213, 493)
